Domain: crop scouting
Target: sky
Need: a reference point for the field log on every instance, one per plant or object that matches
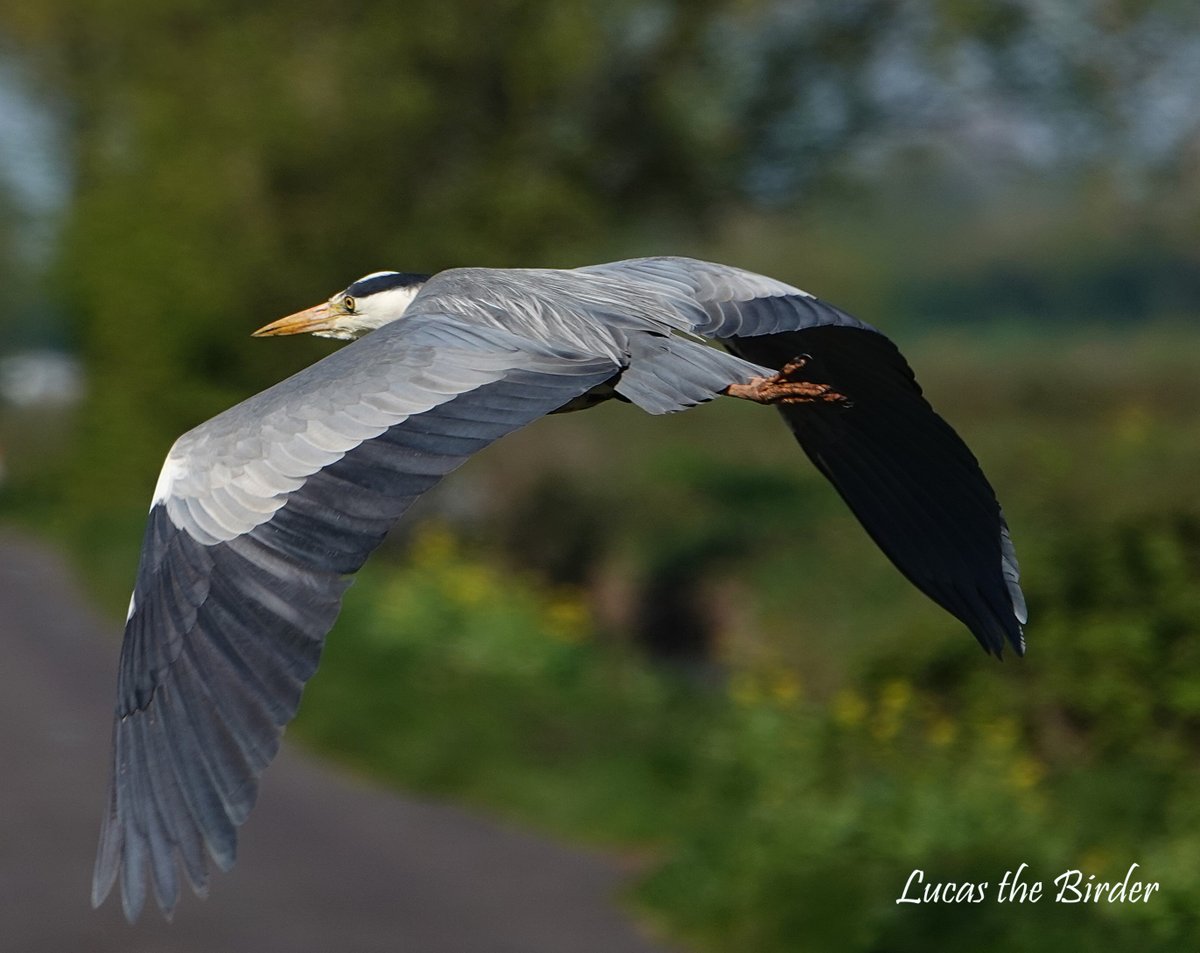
(33, 170)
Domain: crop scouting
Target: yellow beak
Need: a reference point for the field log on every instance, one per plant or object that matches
(319, 318)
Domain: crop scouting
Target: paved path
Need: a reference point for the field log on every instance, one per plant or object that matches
(327, 864)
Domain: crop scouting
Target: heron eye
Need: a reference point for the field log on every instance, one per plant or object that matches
(349, 304)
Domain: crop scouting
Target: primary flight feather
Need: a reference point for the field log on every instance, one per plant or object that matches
(262, 513)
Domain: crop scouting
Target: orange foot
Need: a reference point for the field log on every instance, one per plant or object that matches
(786, 387)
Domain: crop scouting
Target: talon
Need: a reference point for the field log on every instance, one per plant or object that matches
(798, 363)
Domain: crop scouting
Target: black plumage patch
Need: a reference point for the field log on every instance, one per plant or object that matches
(373, 284)
(909, 478)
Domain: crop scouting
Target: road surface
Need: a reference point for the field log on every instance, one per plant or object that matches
(327, 862)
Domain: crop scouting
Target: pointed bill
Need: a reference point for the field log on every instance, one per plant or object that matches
(318, 318)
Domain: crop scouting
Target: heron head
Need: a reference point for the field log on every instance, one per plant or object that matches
(371, 302)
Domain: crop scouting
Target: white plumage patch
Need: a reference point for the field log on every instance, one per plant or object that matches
(374, 311)
(172, 470)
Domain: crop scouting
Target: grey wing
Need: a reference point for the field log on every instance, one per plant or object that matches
(720, 301)
(258, 518)
(907, 476)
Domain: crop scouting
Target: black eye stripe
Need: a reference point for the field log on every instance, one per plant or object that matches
(385, 282)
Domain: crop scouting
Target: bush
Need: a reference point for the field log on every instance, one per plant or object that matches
(780, 821)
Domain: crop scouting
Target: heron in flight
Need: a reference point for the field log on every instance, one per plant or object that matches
(263, 513)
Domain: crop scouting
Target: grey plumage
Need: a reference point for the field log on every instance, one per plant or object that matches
(263, 512)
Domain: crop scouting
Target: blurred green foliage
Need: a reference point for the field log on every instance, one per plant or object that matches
(855, 732)
(859, 733)
(230, 163)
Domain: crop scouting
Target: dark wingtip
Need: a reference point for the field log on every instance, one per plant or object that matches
(1003, 634)
(104, 873)
(133, 897)
(101, 889)
(909, 478)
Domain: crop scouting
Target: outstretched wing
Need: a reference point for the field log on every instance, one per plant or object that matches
(909, 478)
(258, 517)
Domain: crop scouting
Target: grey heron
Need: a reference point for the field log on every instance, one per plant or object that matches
(262, 513)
